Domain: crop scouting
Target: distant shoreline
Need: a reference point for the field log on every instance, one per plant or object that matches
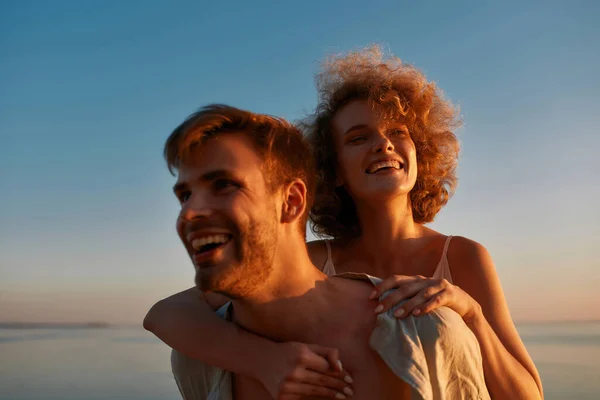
(54, 325)
(106, 325)
(557, 321)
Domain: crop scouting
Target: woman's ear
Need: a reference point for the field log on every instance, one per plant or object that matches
(294, 202)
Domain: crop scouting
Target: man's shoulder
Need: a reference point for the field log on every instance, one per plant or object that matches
(197, 380)
(358, 285)
(195, 377)
(358, 276)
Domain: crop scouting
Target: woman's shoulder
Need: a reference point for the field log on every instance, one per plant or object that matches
(466, 252)
(471, 265)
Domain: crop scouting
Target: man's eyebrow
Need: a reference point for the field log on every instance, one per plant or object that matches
(356, 128)
(216, 174)
(206, 177)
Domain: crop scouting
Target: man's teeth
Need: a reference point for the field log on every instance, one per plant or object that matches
(197, 244)
(383, 164)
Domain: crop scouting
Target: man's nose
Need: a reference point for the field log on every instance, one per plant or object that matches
(196, 207)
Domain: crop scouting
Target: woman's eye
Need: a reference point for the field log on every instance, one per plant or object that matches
(397, 132)
(357, 139)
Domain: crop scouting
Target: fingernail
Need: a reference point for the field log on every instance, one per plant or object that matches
(373, 294)
(416, 312)
(398, 313)
(339, 396)
(348, 379)
(378, 308)
(340, 365)
(348, 391)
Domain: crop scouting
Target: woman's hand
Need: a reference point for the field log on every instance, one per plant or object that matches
(424, 295)
(298, 370)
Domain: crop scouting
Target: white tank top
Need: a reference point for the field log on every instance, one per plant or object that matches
(442, 271)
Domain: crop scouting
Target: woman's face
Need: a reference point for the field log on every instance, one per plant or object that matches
(376, 158)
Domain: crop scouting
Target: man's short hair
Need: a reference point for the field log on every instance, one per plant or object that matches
(281, 145)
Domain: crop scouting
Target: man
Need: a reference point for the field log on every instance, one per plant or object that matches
(245, 182)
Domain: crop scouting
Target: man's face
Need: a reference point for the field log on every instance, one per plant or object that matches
(228, 219)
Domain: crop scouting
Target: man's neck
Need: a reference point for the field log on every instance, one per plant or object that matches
(296, 296)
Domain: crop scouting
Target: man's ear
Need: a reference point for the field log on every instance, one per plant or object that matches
(294, 201)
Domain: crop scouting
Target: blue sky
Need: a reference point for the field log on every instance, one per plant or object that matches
(90, 91)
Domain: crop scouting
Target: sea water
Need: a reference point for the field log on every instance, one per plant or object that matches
(130, 363)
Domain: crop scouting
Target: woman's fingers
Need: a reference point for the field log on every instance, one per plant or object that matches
(322, 375)
(334, 381)
(330, 354)
(325, 361)
(392, 282)
(308, 370)
(415, 305)
(295, 390)
(405, 291)
(440, 299)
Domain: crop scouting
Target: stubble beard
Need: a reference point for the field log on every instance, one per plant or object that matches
(252, 265)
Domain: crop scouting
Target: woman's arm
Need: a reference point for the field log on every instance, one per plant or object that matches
(188, 324)
(508, 368)
(477, 297)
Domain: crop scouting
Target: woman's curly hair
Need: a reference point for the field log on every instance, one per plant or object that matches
(398, 92)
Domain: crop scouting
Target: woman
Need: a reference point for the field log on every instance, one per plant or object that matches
(386, 155)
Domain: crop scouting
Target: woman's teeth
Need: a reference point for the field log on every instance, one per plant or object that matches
(383, 164)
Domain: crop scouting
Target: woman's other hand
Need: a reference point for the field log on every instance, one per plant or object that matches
(298, 370)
